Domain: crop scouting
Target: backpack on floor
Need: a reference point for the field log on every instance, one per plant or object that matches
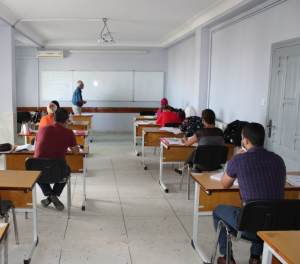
(232, 133)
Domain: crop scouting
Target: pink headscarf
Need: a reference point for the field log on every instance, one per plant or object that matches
(162, 102)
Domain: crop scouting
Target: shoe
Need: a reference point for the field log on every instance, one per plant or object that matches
(46, 202)
(57, 203)
(254, 261)
(222, 260)
(178, 171)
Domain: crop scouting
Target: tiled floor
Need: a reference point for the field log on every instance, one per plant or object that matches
(128, 218)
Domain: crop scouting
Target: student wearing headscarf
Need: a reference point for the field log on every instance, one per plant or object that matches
(191, 123)
(48, 119)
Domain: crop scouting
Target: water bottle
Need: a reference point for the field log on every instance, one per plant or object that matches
(25, 128)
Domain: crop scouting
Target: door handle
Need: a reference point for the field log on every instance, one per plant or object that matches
(270, 128)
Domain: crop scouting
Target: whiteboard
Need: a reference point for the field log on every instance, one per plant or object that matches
(148, 86)
(105, 85)
(57, 85)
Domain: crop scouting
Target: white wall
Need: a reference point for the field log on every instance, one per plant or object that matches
(154, 60)
(241, 62)
(180, 90)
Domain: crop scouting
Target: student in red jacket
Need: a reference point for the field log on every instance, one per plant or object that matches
(167, 116)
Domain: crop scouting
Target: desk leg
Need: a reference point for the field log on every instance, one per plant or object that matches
(84, 184)
(134, 140)
(161, 169)
(4, 162)
(267, 255)
(5, 248)
(25, 140)
(195, 226)
(35, 230)
(143, 152)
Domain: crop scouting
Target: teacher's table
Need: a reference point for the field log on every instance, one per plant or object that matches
(3, 234)
(141, 118)
(79, 125)
(284, 245)
(171, 154)
(19, 187)
(80, 139)
(16, 161)
(150, 139)
(209, 193)
(85, 118)
(137, 131)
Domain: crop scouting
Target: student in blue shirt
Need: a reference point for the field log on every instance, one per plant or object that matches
(77, 101)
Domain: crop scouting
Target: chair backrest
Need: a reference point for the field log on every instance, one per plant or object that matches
(210, 157)
(23, 116)
(53, 170)
(147, 113)
(172, 124)
(269, 215)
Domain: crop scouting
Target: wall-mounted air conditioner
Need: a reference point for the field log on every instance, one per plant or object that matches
(58, 54)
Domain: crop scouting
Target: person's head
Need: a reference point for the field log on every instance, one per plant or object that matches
(164, 101)
(208, 116)
(56, 103)
(61, 116)
(51, 108)
(80, 84)
(190, 111)
(254, 134)
(166, 107)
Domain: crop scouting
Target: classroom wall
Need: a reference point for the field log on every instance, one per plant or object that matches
(181, 71)
(29, 70)
(240, 62)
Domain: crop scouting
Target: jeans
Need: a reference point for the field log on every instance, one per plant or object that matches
(230, 215)
(57, 187)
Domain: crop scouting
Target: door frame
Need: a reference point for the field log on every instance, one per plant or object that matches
(274, 46)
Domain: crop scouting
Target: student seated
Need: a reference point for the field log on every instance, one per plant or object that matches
(162, 102)
(167, 116)
(52, 141)
(49, 119)
(207, 135)
(191, 123)
(261, 175)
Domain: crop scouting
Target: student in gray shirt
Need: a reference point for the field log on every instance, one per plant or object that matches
(209, 135)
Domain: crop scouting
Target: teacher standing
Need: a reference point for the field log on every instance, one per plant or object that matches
(77, 101)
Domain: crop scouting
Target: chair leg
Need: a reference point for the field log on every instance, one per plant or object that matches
(15, 225)
(26, 215)
(228, 255)
(69, 198)
(70, 189)
(182, 176)
(6, 249)
(154, 151)
(189, 184)
(213, 256)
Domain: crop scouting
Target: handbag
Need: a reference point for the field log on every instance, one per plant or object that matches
(5, 147)
(232, 133)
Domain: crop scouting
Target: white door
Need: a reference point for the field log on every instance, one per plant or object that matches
(283, 133)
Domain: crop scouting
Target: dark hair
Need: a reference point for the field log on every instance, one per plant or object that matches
(209, 116)
(56, 103)
(166, 107)
(255, 133)
(61, 115)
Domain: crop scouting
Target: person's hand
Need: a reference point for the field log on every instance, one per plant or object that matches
(240, 151)
(84, 102)
(184, 139)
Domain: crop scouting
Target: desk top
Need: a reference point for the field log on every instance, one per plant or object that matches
(153, 125)
(80, 123)
(143, 118)
(34, 134)
(81, 115)
(156, 130)
(85, 151)
(284, 243)
(208, 184)
(167, 145)
(18, 180)
(3, 230)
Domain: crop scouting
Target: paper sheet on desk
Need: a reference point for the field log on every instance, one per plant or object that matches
(174, 130)
(293, 180)
(218, 177)
(80, 150)
(150, 116)
(145, 122)
(26, 147)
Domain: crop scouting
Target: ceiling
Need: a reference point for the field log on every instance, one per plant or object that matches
(144, 23)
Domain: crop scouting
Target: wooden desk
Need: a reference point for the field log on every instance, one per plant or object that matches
(3, 235)
(16, 161)
(137, 132)
(79, 125)
(209, 193)
(80, 139)
(19, 186)
(85, 118)
(150, 139)
(284, 245)
(140, 118)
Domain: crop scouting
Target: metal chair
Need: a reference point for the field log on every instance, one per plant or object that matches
(206, 158)
(261, 215)
(5, 206)
(53, 170)
(147, 113)
(172, 124)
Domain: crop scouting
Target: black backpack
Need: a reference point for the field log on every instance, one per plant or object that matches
(36, 116)
(232, 133)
